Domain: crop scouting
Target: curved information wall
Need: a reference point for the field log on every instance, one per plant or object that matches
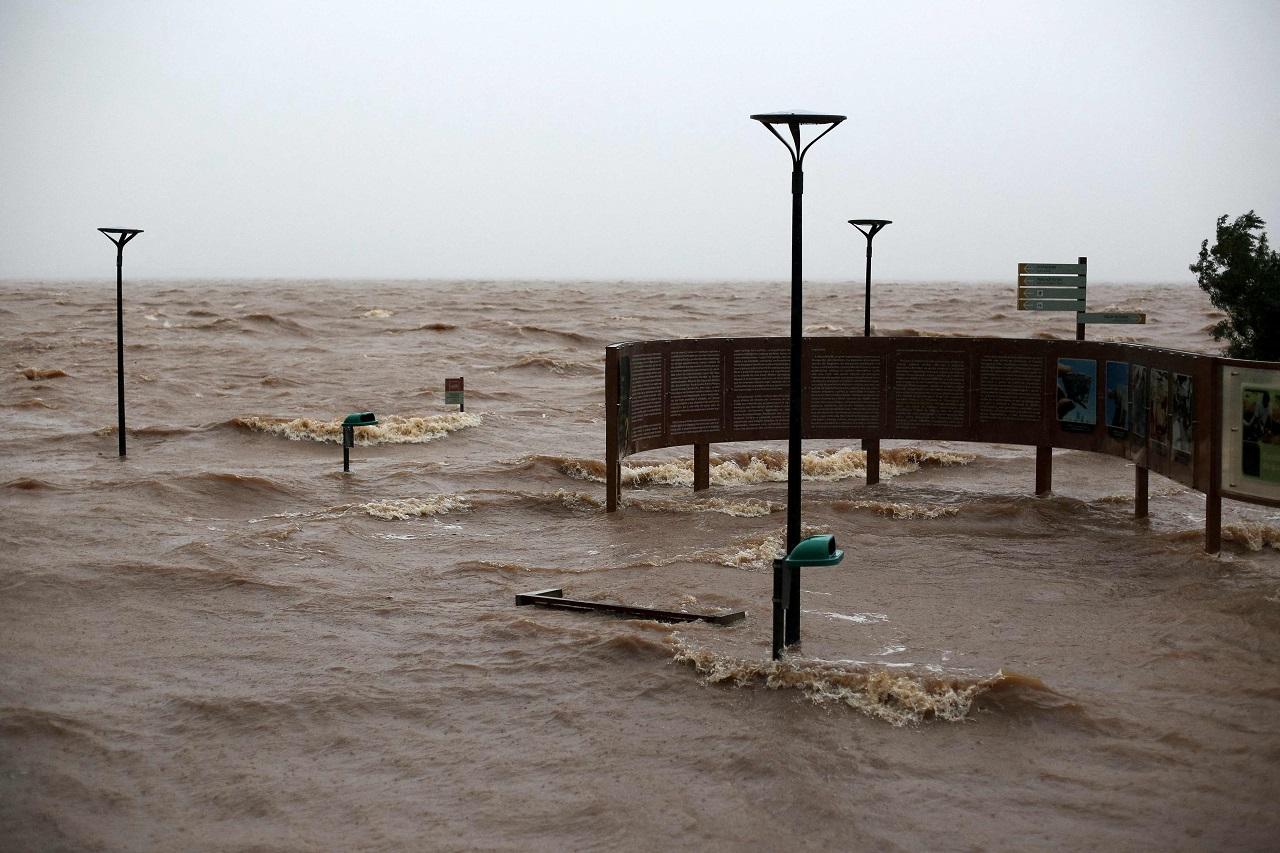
(1184, 415)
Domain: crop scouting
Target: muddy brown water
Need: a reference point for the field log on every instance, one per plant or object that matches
(223, 643)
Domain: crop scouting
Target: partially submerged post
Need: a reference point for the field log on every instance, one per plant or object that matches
(792, 121)
(121, 236)
(349, 425)
(870, 228)
(453, 393)
(812, 552)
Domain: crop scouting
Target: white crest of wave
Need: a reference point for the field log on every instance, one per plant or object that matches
(747, 508)
(897, 509)
(402, 509)
(1253, 535)
(897, 699)
(394, 429)
(769, 466)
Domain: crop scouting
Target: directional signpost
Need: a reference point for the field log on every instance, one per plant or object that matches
(1053, 287)
(1061, 287)
(453, 393)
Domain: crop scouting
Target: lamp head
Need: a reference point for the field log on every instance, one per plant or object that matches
(792, 120)
(122, 235)
(797, 117)
(870, 227)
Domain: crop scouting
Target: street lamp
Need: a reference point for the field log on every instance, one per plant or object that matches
(792, 121)
(869, 228)
(870, 446)
(122, 236)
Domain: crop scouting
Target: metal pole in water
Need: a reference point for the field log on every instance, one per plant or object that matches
(123, 235)
(790, 580)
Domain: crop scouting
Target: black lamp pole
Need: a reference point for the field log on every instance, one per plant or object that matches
(869, 228)
(792, 121)
(122, 236)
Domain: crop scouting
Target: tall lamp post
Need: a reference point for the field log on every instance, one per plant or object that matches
(120, 236)
(870, 228)
(792, 121)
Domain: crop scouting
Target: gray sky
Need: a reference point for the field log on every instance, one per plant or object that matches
(611, 141)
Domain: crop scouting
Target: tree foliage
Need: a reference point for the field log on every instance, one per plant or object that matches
(1241, 274)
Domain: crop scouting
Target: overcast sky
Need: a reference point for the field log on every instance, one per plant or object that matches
(596, 140)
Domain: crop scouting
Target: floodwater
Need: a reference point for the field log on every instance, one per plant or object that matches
(223, 642)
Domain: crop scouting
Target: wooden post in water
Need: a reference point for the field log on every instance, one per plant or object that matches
(1044, 470)
(701, 466)
(871, 446)
(1213, 498)
(1213, 522)
(612, 463)
(1140, 478)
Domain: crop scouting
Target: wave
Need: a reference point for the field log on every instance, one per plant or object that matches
(914, 333)
(378, 313)
(754, 552)
(202, 578)
(558, 366)
(30, 484)
(223, 484)
(1243, 535)
(530, 330)
(402, 509)
(218, 325)
(277, 324)
(163, 430)
(893, 509)
(272, 381)
(503, 567)
(33, 403)
(393, 429)
(1253, 535)
(425, 327)
(582, 501)
(747, 508)
(16, 722)
(896, 698)
(761, 466)
(34, 373)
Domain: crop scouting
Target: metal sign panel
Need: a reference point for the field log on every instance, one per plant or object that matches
(1050, 292)
(453, 392)
(1052, 269)
(1050, 304)
(1112, 317)
(1051, 281)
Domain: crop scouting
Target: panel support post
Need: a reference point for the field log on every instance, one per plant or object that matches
(1213, 497)
(871, 446)
(786, 617)
(793, 606)
(1080, 326)
(1213, 522)
(701, 466)
(1140, 478)
(1044, 470)
(612, 463)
